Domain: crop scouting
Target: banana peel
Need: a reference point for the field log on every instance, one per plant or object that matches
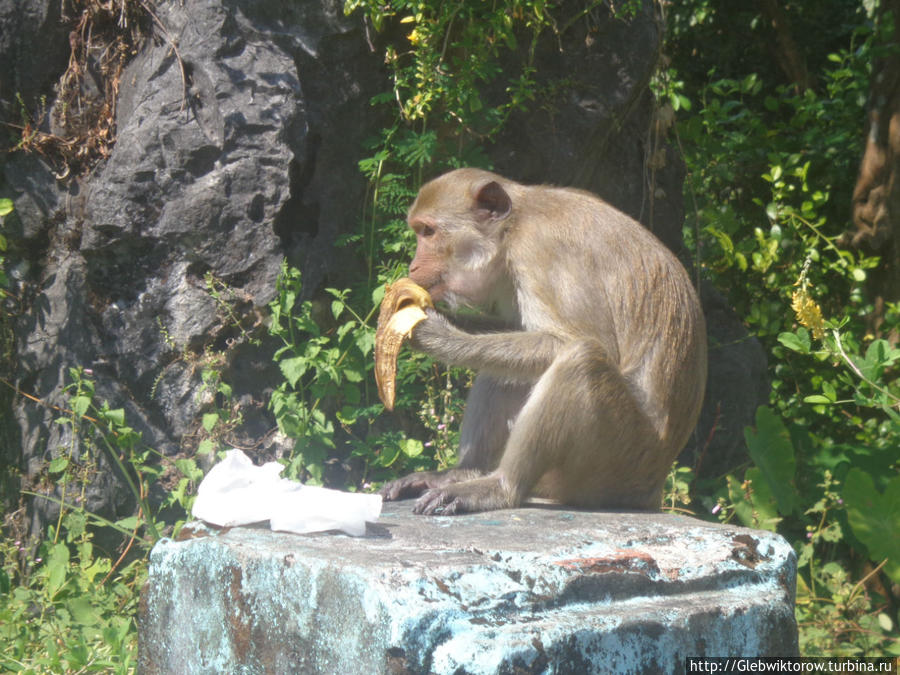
(402, 307)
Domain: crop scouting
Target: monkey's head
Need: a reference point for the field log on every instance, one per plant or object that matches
(459, 220)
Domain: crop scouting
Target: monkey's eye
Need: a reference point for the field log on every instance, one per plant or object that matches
(427, 231)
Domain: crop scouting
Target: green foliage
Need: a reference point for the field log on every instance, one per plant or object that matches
(96, 428)
(218, 422)
(453, 90)
(770, 447)
(450, 50)
(771, 169)
(317, 365)
(677, 491)
(66, 609)
(875, 518)
(226, 299)
(65, 606)
(327, 401)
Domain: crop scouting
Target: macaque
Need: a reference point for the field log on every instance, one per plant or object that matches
(590, 349)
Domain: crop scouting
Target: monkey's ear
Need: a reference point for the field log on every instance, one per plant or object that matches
(492, 202)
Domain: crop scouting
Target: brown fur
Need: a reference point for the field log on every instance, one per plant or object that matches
(592, 376)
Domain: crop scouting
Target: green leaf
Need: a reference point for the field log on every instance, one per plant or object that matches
(6, 207)
(875, 518)
(129, 523)
(798, 342)
(210, 420)
(58, 465)
(206, 446)
(412, 447)
(57, 567)
(389, 455)
(189, 468)
(294, 368)
(772, 451)
(83, 611)
(365, 341)
(116, 416)
(756, 509)
(880, 354)
(80, 405)
(75, 523)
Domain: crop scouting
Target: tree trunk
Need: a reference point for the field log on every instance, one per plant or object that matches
(787, 53)
(876, 197)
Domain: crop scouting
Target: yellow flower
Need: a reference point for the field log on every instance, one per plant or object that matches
(808, 312)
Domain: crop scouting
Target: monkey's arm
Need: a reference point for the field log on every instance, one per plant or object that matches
(481, 323)
(511, 355)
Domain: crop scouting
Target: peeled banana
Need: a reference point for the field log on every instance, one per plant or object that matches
(402, 308)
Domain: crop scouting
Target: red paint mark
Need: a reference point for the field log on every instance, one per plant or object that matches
(620, 561)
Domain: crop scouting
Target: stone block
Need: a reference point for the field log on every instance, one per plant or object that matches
(530, 590)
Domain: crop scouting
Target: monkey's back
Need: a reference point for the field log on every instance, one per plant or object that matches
(613, 280)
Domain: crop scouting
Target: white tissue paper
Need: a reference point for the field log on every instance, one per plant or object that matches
(235, 492)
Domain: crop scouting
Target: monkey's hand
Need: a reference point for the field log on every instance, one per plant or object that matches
(435, 331)
(402, 307)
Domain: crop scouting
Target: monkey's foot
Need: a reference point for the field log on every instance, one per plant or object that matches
(415, 484)
(471, 496)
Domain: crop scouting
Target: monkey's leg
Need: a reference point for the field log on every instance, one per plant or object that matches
(491, 408)
(582, 438)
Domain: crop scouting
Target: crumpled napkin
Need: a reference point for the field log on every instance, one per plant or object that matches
(235, 492)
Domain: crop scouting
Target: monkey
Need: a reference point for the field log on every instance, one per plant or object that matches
(590, 353)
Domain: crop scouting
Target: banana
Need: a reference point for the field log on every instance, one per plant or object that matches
(402, 308)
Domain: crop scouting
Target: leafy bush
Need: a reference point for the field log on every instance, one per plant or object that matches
(770, 175)
(65, 604)
(327, 398)
(67, 609)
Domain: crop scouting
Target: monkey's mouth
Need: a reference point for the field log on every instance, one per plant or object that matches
(437, 291)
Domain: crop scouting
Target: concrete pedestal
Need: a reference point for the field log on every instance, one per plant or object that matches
(530, 590)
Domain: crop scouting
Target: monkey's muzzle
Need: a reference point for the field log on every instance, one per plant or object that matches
(402, 307)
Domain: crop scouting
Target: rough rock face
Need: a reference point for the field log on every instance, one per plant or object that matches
(240, 149)
(596, 132)
(27, 70)
(246, 156)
